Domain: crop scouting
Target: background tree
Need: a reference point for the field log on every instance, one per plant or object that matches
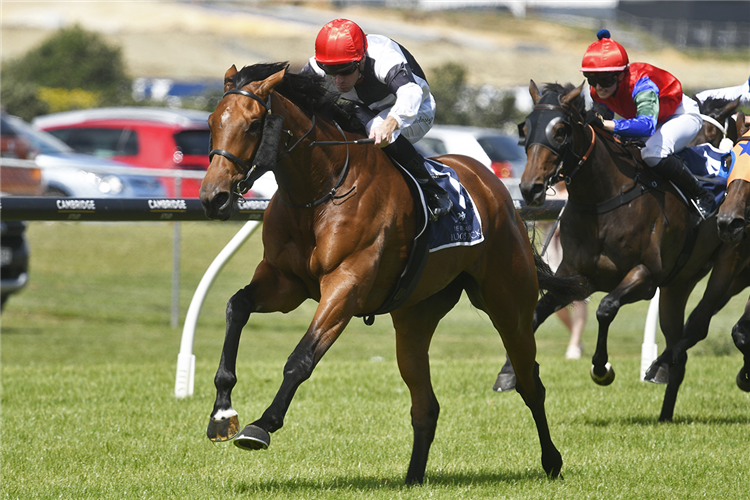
(459, 103)
(71, 59)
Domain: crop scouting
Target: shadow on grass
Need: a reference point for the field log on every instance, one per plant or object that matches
(6, 330)
(354, 484)
(678, 420)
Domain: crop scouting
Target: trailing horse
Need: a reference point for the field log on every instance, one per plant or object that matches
(718, 123)
(340, 230)
(731, 272)
(624, 229)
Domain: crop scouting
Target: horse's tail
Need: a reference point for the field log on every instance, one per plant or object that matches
(567, 288)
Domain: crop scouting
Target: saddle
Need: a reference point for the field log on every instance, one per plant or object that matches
(462, 226)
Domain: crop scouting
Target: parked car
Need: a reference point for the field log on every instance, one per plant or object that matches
(17, 180)
(495, 149)
(14, 259)
(162, 138)
(65, 173)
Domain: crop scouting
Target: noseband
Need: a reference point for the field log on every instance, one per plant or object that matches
(549, 112)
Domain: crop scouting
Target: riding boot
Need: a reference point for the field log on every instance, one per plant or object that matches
(407, 156)
(674, 169)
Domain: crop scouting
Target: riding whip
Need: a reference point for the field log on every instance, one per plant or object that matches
(552, 230)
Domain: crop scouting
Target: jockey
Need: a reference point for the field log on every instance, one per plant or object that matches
(396, 105)
(652, 106)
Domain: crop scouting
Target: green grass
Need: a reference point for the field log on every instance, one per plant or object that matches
(88, 363)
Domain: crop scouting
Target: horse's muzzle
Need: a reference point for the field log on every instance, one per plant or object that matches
(534, 194)
(731, 228)
(217, 205)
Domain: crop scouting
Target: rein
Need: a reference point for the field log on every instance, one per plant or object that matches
(331, 195)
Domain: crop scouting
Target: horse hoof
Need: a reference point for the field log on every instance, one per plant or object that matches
(252, 438)
(743, 380)
(505, 382)
(657, 373)
(552, 465)
(607, 378)
(223, 429)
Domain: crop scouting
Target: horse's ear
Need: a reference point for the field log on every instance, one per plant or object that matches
(534, 91)
(229, 78)
(571, 96)
(698, 101)
(742, 127)
(729, 109)
(267, 85)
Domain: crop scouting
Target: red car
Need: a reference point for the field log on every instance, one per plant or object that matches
(162, 138)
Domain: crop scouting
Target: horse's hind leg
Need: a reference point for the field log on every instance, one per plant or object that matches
(672, 301)
(511, 314)
(414, 328)
(522, 352)
(547, 305)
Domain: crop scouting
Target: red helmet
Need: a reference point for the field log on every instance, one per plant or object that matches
(340, 42)
(605, 55)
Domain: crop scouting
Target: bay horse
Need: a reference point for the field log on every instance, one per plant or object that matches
(729, 276)
(339, 230)
(624, 230)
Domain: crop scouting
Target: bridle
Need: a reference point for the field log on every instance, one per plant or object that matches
(268, 150)
(550, 111)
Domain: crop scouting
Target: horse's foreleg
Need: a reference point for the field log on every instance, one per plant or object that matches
(547, 305)
(725, 282)
(331, 317)
(224, 422)
(741, 338)
(269, 291)
(635, 286)
(414, 328)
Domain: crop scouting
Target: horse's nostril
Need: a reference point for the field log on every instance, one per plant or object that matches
(737, 225)
(533, 194)
(221, 199)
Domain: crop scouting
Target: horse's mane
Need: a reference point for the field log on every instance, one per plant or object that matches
(713, 106)
(306, 91)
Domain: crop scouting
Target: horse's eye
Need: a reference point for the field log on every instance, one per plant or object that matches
(254, 127)
(561, 134)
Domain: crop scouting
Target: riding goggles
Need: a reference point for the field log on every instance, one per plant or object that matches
(345, 69)
(604, 80)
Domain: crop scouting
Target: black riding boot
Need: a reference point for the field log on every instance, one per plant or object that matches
(404, 153)
(674, 169)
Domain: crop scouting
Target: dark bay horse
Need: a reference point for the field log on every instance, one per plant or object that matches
(732, 220)
(624, 230)
(339, 230)
(729, 276)
(717, 122)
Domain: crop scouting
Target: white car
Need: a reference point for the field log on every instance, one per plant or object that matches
(64, 172)
(493, 148)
